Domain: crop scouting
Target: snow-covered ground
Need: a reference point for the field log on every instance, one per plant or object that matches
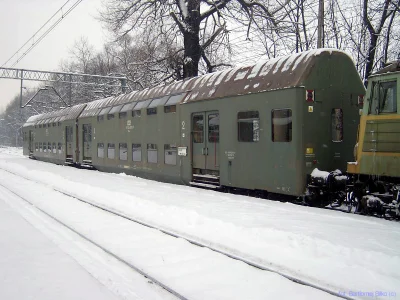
(354, 255)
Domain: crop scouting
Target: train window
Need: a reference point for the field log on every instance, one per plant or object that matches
(337, 124)
(115, 109)
(111, 150)
(54, 124)
(122, 115)
(100, 118)
(100, 150)
(44, 147)
(152, 153)
(384, 97)
(158, 102)
(213, 128)
(59, 148)
(198, 129)
(136, 152)
(175, 99)
(248, 126)
(69, 133)
(40, 147)
(54, 148)
(388, 97)
(152, 111)
(170, 109)
(281, 125)
(110, 116)
(40, 125)
(87, 133)
(136, 113)
(127, 107)
(48, 147)
(170, 154)
(123, 151)
(36, 147)
(59, 123)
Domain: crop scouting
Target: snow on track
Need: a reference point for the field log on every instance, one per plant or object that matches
(349, 253)
(197, 273)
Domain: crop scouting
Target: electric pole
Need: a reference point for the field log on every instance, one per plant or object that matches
(320, 41)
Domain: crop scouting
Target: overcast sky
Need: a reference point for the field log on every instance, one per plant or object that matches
(20, 19)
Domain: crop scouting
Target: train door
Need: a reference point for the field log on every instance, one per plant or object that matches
(30, 141)
(87, 143)
(68, 143)
(205, 147)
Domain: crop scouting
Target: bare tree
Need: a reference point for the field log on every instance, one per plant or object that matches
(197, 23)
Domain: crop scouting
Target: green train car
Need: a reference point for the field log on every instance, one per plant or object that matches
(262, 127)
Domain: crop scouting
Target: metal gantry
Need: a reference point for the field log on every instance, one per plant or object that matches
(70, 78)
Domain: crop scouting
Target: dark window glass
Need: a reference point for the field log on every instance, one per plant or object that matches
(36, 147)
(170, 154)
(123, 115)
(248, 126)
(198, 129)
(100, 118)
(152, 111)
(152, 153)
(49, 147)
(110, 116)
(213, 128)
(40, 125)
(54, 148)
(59, 148)
(170, 109)
(136, 152)
(281, 125)
(337, 124)
(59, 123)
(123, 151)
(136, 113)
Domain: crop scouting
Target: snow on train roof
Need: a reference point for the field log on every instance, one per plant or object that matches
(277, 73)
(68, 113)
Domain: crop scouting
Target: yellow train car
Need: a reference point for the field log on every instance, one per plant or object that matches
(375, 173)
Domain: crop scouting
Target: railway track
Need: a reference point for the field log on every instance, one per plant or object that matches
(169, 232)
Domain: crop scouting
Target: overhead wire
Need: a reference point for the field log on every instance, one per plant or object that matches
(41, 37)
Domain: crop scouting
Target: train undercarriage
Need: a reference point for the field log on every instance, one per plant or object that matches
(355, 193)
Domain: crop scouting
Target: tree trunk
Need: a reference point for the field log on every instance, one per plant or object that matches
(191, 40)
(370, 57)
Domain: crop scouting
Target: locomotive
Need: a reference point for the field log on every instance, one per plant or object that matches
(265, 127)
(372, 183)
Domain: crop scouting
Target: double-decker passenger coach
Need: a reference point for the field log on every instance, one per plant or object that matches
(260, 127)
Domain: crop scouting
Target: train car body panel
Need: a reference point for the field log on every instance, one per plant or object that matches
(262, 127)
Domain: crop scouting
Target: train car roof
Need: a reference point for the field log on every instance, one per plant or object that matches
(391, 68)
(68, 113)
(277, 73)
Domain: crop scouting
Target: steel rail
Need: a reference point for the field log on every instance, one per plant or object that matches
(138, 270)
(196, 242)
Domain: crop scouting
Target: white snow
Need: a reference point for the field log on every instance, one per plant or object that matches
(184, 9)
(345, 252)
(319, 174)
(241, 74)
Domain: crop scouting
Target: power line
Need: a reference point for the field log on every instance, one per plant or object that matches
(41, 37)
